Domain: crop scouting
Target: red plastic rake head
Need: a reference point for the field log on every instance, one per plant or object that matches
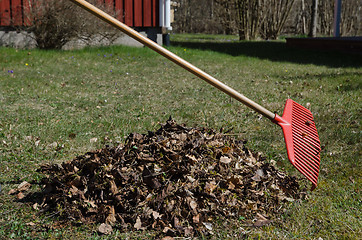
(301, 139)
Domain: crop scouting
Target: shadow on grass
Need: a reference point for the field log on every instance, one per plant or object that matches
(277, 51)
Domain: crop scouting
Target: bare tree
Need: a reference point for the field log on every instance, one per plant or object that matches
(225, 12)
(297, 19)
(351, 18)
(249, 14)
(275, 13)
(257, 18)
(304, 27)
(195, 16)
(314, 19)
(266, 19)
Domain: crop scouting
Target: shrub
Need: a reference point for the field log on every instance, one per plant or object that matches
(55, 22)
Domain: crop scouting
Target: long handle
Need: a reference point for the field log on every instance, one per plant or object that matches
(174, 58)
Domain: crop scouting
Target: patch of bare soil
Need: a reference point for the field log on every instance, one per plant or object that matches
(177, 181)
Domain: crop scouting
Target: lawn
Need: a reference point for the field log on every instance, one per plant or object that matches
(56, 105)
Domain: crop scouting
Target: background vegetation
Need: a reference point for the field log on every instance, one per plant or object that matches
(265, 19)
(56, 22)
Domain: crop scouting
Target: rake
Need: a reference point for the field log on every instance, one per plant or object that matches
(300, 133)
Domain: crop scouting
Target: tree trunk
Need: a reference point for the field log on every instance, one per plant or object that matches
(313, 22)
(304, 29)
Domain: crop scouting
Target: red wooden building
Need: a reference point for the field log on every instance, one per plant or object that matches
(141, 14)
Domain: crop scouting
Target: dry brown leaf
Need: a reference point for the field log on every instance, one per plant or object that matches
(225, 160)
(231, 186)
(250, 161)
(111, 218)
(24, 186)
(210, 186)
(31, 224)
(169, 231)
(226, 150)
(156, 215)
(74, 190)
(113, 187)
(105, 229)
(196, 219)
(191, 179)
(188, 231)
(20, 195)
(259, 174)
(76, 181)
(167, 238)
(207, 225)
(12, 191)
(192, 158)
(36, 206)
(261, 221)
(193, 204)
(283, 197)
(235, 182)
(238, 165)
(183, 137)
(252, 205)
(28, 138)
(176, 222)
(53, 145)
(138, 224)
(170, 206)
(92, 204)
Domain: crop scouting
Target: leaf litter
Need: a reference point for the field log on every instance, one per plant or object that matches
(177, 181)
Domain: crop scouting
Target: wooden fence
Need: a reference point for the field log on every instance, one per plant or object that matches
(134, 13)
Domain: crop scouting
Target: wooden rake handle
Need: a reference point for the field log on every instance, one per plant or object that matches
(174, 58)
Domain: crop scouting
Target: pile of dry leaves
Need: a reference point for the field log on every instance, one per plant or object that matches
(176, 180)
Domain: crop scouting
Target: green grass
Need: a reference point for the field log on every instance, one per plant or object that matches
(55, 102)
